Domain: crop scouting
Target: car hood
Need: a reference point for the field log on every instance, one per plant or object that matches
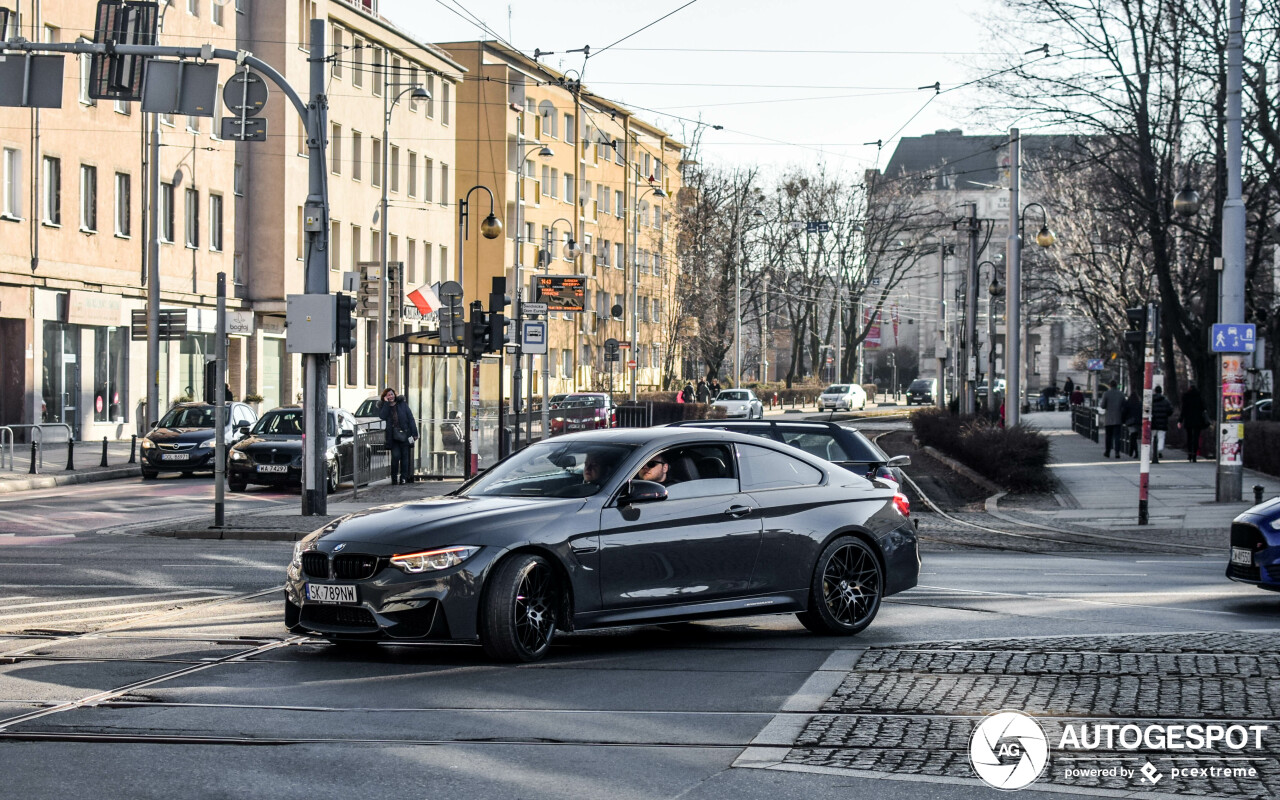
(731, 403)
(443, 521)
(261, 442)
(183, 435)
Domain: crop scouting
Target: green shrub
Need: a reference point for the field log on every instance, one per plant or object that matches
(1016, 458)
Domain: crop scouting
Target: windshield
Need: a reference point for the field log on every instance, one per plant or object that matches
(369, 408)
(838, 388)
(280, 423)
(733, 395)
(921, 385)
(584, 401)
(188, 417)
(553, 469)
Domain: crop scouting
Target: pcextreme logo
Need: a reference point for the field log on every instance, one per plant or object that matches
(1008, 750)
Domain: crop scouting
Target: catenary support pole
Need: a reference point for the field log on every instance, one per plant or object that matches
(1013, 291)
(315, 366)
(1230, 473)
(969, 335)
(220, 407)
(1148, 384)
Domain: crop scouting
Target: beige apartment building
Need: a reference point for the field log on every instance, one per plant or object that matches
(564, 164)
(73, 213)
(73, 236)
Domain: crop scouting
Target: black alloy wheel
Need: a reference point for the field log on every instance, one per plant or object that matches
(236, 486)
(848, 583)
(149, 474)
(332, 480)
(518, 615)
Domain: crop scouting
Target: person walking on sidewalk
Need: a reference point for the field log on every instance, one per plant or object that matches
(401, 431)
(1133, 421)
(1193, 419)
(1161, 410)
(1112, 406)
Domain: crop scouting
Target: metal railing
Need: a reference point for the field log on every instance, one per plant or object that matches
(1084, 421)
(638, 415)
(37, 431)
(371, 460)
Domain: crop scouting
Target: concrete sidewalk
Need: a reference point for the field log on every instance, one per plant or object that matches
(1102, 493)
(52, 463)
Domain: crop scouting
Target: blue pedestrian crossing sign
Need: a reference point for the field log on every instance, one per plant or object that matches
(1234, 337)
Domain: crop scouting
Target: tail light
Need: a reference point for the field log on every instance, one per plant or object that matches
(901, 503)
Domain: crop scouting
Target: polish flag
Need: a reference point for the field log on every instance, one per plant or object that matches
(424, 299)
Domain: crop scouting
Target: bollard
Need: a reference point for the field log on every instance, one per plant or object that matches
(35, 451)
(1257, 494)
(104, 452)
(133, 449)
(71, 454)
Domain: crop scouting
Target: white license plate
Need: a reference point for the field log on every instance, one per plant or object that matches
(1240, 555)
(331, 592)
(273, 468)
(175, 456)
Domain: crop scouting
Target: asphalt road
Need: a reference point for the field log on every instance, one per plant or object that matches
(70, 510)
(160, 668)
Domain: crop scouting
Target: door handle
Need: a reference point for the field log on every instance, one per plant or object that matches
(737, 511)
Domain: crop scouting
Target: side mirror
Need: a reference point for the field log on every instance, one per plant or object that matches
(642, 492)
(898, 461)
(155, 422)
(243, 429)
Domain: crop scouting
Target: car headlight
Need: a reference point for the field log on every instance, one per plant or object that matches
(147, 444)
(236, 455)
(210, 443)
(305, 545)
(429, 560)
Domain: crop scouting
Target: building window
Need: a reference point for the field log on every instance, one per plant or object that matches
(52, 191)
(444, 262)
(618, 203)
(86, 75)
(237, 179)
(413, 174)
(357, 62)
(217, 13)
(122, 204)
(88, 198)
(393, 166)
(568, 187)
(215, 222)
(166, 119)
(193, 7)
(335, 50)
(566, 363)
(428, 180)
(446, 88)
(12, 183)
(306, 13)
(355, 247)
(375, 156)
(335, 245)
(335, 159)
(444, 185)
(620, 256)
(431, 101)
(123, 107)
(356, 163)
(192, 209)
(413, 81)
(377, 71)
(371, 352)
(165, 212)
(193, 124)
(569, 130)
(411, 265)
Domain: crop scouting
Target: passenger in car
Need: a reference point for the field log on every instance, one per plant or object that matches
(655, 469)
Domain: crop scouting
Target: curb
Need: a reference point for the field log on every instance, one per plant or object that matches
(71, 478)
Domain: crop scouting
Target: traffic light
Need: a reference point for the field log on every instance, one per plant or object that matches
(477, 332)
(1137, 333)
(498, 300)
(344, 323)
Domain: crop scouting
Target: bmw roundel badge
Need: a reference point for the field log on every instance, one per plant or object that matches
(339, 548)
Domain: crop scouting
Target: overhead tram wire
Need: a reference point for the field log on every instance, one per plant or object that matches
(646, 27)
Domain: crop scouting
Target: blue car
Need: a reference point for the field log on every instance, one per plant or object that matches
(1255, 546)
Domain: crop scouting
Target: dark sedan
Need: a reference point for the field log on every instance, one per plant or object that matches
(183, 440)
(560, 536)
(1255, 546)
(272, 452)
(829, 441)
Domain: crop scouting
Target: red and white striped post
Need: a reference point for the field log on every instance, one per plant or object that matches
(1148, 384)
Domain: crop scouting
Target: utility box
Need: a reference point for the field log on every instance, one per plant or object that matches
(310, 323)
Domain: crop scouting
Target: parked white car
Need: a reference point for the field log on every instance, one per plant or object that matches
(739, 403)
(842, 397)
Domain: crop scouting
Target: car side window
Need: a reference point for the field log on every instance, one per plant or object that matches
(822, 445)
(763, 468)
(700, 471)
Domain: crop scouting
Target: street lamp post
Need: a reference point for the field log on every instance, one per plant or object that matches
(490, 228)
(1013, 306)
(388, 105)
(517, 378)
(656, 191)
(994, 290)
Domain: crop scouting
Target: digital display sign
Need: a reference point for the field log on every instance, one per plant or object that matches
(561, 292)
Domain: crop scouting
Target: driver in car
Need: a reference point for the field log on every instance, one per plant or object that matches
(655, 469)
(596, 469)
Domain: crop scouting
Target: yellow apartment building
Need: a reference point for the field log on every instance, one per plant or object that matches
(565, 164)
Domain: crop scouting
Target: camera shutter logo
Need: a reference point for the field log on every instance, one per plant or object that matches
(1008, 750)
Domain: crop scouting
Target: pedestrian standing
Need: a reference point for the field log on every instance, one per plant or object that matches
(1193, 419)
(1068, 387)
(1112, 406)
(401, 431)
(1161, 410)
(1133, 421)
(715, 388)
(702, 391)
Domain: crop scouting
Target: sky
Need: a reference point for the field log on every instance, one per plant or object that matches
(793, 83)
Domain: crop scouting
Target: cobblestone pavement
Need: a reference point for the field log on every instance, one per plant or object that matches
(911, 710)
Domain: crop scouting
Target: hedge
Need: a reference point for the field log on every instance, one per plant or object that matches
(1016, 458)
